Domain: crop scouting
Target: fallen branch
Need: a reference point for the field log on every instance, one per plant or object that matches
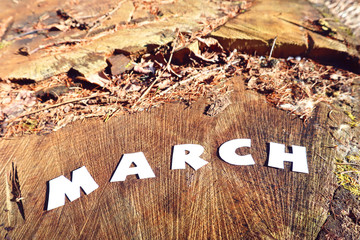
(59, 104)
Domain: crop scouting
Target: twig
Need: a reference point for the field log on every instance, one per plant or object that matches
(103, 17)
(59, 104)
(354, 164)
(109, 115)
(329, 115)
(183, 82)
(321, 156)
(131, 15)
(272, 48)
(197, 75)
(55, 44)
(29, 33)
(168, 67)
(356, 171)
(148, 89)
(161, 73)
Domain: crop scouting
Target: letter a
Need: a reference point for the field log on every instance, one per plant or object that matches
(142, 169)
(180, 156)
(277, 156)
(61, 186)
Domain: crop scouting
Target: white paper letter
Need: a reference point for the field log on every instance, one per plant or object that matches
(61, 186)
(142, 169)
(228, 154)
(277, 156)
(180, 156)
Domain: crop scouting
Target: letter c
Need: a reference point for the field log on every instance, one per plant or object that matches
(227, 152)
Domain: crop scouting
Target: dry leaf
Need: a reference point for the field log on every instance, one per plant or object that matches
(96, 79)
(119, 64)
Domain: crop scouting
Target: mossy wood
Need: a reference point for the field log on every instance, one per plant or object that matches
(217, 201)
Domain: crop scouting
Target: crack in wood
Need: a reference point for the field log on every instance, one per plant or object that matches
(15, 187)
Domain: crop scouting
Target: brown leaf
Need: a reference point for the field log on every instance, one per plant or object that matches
(119, 64)
(13, 107)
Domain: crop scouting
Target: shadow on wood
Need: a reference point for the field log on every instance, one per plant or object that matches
(217, 201)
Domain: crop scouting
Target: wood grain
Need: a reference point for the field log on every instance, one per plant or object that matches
(218, 201)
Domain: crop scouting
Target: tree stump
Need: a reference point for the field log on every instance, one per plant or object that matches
(219, 200)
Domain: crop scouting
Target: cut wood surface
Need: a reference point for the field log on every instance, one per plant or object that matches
(293, 23)
(217, 201)
(58, 36)
(94, 30)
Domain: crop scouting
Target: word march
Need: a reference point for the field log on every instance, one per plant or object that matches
(182, 154)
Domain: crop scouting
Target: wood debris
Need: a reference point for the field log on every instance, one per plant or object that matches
(192, 66)
(217, 106)
(16, 191)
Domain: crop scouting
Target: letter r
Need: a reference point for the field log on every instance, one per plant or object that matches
(180, 156)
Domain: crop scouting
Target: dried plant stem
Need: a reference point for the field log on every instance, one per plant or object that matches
(161, 73)
(103, 17)
(349, 172)
(59, 104)
(354, 164)
(198, 75)
(148, 89)
(55, 44)
(272, 48)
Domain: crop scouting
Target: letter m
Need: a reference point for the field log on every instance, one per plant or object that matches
(61, 186)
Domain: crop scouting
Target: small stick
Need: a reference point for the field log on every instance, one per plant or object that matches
(172, 50)
(160, 75)
(59, 104)
(57, 43)
(349, 172)
(109, 115)
(198, 75)
(321, 156)
(272, 48)
(8, 199)
(28, 33)
(103, 17)
(148, 89)
(131, 15)
(354, 164)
